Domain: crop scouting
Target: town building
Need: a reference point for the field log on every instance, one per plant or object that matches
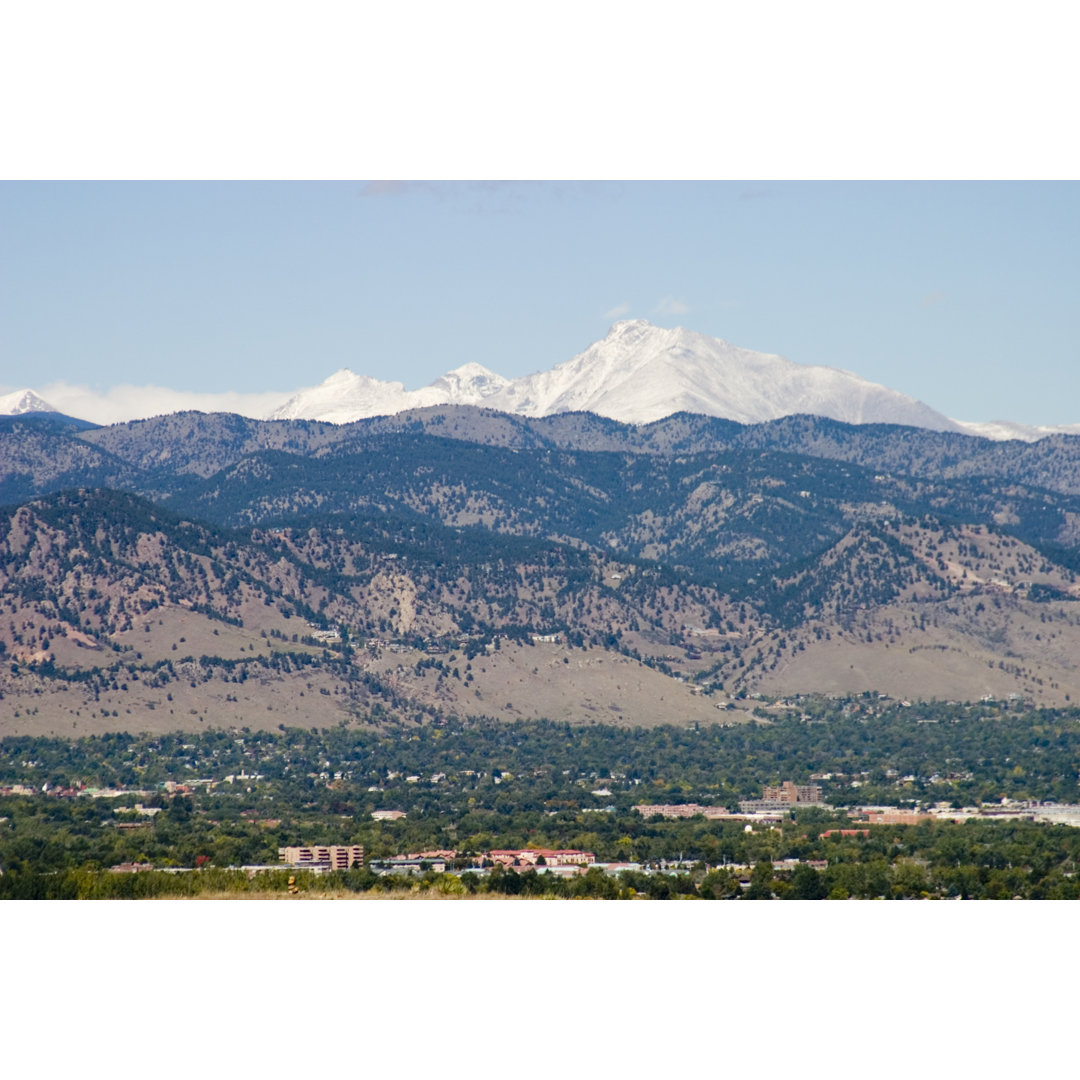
(335, 856)
(896, 817)
(680, 810)
(794, 793)
(785, 796)
(406, 864)
(527, 857)
(561, 871)
(710, 813)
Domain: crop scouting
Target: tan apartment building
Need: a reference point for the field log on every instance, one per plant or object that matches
(336, 856)
(794, 793)
(786, 796)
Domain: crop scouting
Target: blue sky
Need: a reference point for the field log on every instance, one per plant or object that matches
(960, 294)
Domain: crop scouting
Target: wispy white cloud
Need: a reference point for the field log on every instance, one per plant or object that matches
(671, 305)
(932, 299)
(126, 402)
(617, 310)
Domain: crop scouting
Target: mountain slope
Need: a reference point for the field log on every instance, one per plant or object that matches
(122, 615)
(117, 614)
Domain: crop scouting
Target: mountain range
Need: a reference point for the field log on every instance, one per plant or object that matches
(637, 374)
(208, 567)
(651, 531)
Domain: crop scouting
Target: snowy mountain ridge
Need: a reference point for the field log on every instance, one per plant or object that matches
(640, 373)
(346, 396)
(636, 374)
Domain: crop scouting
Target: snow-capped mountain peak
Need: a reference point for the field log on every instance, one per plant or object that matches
(469, 383)
(346, 396)
(341, 377)
(23, 401)
(639, 373)
(636, 374)
(342, 398)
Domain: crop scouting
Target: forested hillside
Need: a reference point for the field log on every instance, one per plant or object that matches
(707, 560)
